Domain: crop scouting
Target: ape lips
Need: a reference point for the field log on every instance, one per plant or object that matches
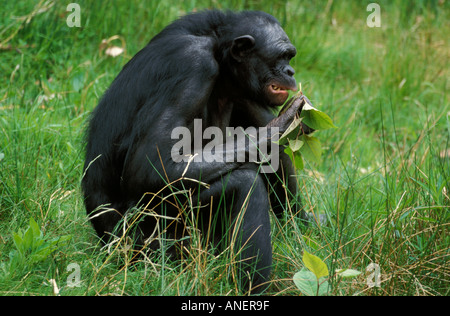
(279, 93)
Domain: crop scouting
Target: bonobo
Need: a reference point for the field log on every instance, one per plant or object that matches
(219, 69)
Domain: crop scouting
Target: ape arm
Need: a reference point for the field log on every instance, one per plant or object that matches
(282, 184)
(193, 78)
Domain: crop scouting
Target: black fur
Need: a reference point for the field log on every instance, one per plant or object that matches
(215, 66)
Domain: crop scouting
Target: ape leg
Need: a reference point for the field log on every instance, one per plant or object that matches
(246, 225)
(104, 219)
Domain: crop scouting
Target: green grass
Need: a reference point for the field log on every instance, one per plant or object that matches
(383, 184)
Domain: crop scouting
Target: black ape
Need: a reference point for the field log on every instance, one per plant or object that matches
(224, 70)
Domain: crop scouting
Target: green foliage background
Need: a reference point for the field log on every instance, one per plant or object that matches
(383, 185)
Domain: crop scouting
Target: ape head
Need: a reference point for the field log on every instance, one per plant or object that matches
(259, 60)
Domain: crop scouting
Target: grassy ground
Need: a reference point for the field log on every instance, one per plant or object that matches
(383, 184)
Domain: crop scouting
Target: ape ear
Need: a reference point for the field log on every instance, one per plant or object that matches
(242, 46)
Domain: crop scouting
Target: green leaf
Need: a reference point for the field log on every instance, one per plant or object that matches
(347, 273)
(295, 144)
(315, 265)
(28, 239)
(307, 283)
(311, 149)
(296, 158)
(18, 241)
(78, 82)
(298, 144)
(35, 228)
(316, 119)
(61, 241)
(41, 254)
(292, 131)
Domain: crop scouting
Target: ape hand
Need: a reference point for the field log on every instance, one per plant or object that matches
(289, 112)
